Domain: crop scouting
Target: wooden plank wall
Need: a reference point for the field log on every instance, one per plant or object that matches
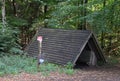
(59, 46)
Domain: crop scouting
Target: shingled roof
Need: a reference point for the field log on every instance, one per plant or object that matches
(63, 46)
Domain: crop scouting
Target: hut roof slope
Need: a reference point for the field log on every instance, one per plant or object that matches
(60, 46)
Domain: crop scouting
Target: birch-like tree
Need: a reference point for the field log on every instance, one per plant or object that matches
(3, 15)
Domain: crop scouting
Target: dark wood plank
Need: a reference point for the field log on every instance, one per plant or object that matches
(60, 46)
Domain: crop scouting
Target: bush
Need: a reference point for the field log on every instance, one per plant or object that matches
(9, 41)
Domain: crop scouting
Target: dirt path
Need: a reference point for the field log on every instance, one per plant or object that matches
(87, 74)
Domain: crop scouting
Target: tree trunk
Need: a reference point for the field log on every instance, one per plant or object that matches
(3, 16)
(102, 34)
(102, 40)
(79, 27)
(84, 14)
(14, 8)
(82, 25)
(45, 11)
(118, 36)
(110, 43)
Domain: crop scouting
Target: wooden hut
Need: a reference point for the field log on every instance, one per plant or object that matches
(63, 46)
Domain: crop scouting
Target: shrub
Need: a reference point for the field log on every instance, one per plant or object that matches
(9, 41)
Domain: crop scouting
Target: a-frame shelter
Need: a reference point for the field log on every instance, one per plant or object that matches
(63, 46)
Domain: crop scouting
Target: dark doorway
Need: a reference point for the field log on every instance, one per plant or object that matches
(87, 58)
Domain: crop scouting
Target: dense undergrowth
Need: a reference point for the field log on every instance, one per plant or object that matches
(15, 64)
(113, 60)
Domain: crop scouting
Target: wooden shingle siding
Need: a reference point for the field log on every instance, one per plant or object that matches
(60, 46)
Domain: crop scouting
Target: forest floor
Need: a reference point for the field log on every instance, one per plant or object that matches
(106, 73)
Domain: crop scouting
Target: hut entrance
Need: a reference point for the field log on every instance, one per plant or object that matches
(86, 58)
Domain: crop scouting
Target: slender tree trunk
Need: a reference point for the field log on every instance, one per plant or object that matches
(82, 25)
(112, 25)
(84, 14)
(45, 11)
(102, 40)
(78, 14)
(82, 10)
(118, 36)
(110, 43)
(14, 8)
(3, 15)
(102, 34)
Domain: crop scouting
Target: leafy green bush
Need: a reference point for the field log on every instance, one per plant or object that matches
(9, 41)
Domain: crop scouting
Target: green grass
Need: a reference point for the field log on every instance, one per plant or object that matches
(15, 64)
(67, 71)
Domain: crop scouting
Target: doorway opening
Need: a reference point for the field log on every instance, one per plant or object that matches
(87, 58)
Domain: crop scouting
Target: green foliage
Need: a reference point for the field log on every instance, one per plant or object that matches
(46, 68)
(65, 16)
(50, 67)
(112, 60)
(8, 41)
(15, 64)
(103, 18)
(69, 65)
(115, 51)
(99, 16)
(17, 22)
(68, 71)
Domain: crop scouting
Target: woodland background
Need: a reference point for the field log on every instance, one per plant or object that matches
(20, 19)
